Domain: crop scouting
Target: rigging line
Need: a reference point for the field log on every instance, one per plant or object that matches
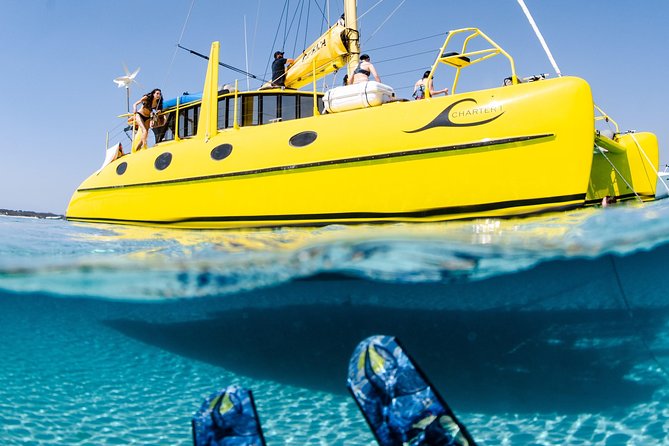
(408, 41)
(652, 167)
(255, 32)
(384, 22)
(540, 37)
(299, 24)
(406, 87)
(306, 25)
(292, 21)
(276, 36)
(416, 70)
(618, 172)
(322, 10)
(367, 12)
(406, 57)
(183, 30)
(285, 26)
(635, 324)
(229, 67)
(176, 48)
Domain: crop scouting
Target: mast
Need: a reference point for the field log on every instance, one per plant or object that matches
(351, 23)
(207, 126)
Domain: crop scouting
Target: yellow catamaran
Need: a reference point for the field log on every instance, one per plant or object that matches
(274, 157)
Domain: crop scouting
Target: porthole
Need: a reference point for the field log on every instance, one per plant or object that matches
(221, 152)
(120, 169)
(303, 139)
(163, 161)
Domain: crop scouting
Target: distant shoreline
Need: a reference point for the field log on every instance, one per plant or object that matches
(32, 214)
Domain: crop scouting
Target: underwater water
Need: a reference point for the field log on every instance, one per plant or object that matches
(549, 330)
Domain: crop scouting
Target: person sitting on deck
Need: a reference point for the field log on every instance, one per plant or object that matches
(363, 71)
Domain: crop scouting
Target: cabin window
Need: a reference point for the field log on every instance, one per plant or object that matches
(231, 113)
(166, 132)
(223, 110)
(226, 112)
(288, 107)
(269, 111)
(307, 106)
(264, 109)
(250, 110)
(188, 118)
(121, 168)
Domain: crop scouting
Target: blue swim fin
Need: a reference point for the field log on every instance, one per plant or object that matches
(398, 402)
(228, 418)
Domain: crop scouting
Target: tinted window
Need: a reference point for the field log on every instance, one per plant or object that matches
(222, 110)
(261, 109)
(250, 110)
(165, 133)
(288, 107)
(230, 107)
(269, 109)
(188, 121)
(303, 139)
(306, 106)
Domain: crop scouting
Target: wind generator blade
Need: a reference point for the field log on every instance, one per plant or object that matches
(134, 73)
(122, 81)
(129, 78)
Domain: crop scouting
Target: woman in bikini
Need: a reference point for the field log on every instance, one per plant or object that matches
(363, 71)
(150, 102)
(422, 85)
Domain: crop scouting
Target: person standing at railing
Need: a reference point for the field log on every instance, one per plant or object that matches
(422, 85)
(152, 104)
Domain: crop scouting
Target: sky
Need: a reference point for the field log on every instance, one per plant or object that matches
(59, 57)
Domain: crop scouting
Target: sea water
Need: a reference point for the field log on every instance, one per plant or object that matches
(549, 330)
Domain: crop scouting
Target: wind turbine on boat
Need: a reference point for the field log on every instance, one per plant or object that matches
(125, 81)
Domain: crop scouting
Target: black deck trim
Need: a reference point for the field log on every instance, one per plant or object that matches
(361, 217)
(473, 145)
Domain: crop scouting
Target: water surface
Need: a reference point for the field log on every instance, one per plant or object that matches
(549, 330)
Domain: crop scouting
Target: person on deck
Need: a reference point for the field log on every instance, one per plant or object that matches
(363, 71)
(152, 103)
(422, 85)
(279, 69)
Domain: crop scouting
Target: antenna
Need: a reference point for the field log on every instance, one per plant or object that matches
(246, 52)
(125, 81)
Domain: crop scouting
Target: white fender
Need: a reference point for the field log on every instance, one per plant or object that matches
(360, 95)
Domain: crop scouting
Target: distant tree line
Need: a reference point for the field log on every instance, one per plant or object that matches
(33, 214)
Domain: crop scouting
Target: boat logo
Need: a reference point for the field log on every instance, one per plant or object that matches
(444, 119)
(309, 53)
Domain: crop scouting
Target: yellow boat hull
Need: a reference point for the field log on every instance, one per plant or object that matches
(507, 151)
(626, 168)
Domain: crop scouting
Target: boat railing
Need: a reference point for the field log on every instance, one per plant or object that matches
(601, 115)
(236, 109)
(607, 140)
(466, 57)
